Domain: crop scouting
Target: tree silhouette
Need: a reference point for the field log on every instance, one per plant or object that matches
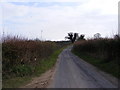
(97, 35)
(116, 36)
(82, 37)
(72, 36)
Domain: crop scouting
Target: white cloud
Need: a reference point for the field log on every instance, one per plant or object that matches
(56, 21)
(105, 6)
(1, 23)
(43, 0)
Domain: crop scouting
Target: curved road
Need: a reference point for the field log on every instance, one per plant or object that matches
(73, 72)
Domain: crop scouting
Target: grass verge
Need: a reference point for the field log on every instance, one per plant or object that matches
(42, 67)
(109, 67)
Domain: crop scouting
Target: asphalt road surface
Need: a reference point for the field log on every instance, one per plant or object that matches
(73, 72)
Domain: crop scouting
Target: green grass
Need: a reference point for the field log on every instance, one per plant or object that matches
(15, 82)
(109, 67)
(48, 63)
(42, 67)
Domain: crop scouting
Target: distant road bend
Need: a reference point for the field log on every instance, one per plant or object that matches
(73, 72)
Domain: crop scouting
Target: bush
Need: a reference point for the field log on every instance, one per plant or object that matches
(22, 70)
(17, 53)
(107, 49)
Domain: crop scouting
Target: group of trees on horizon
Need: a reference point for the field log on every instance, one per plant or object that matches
(75, 36)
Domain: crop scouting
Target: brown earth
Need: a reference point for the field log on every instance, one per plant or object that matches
(43, 80)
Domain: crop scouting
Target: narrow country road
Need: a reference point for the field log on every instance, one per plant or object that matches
(73, 72)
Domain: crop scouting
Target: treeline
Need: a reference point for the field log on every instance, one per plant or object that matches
(21, 56)
(105, 51)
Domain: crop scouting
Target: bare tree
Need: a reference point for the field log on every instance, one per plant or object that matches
(82, 37)
(97, 35)
(72, 36)
(116, 36)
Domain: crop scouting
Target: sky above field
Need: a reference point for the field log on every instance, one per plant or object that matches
(53, 19)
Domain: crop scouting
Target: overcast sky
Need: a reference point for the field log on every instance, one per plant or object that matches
(55, 18)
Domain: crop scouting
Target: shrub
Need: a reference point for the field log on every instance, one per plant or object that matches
(22, 70)
(18, 53)
(107, 49)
